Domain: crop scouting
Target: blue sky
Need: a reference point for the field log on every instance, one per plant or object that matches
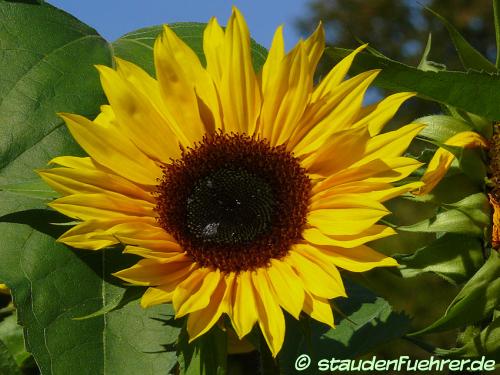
(113, 18)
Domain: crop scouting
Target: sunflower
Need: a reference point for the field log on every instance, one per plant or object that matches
(243, 192)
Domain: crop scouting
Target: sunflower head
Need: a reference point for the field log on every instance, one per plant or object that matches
(243, 192)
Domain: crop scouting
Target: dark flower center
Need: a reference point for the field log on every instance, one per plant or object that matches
(234, 202)
(230, 207)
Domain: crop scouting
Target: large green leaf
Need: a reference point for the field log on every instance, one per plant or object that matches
(454, 257)
(475, 92)
(475, 302)
(60, 287)
(470, 215)
(35, 188)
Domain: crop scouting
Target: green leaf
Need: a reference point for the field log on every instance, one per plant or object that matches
(37, 189)
(468, 216)
(475, 302)
(52, 285)
(472, 91)
(486, 343)
(368, 323)
(11, 334)
(440, 128)
(7, 364)
(469, 56)
(137, 46)
(206, 355)
(47, 67)
(119, 300)
(453, 256)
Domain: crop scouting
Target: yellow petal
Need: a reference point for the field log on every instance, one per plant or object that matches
(138, 112)
(102, 206)
(372, 191)
(442, 159)
(195, 292)
(300, 81)
(338, 152)
(336, 75)
(390, 144)
(273, 65)
(364, 190)
(377, 171)
(201, 321)
(239, 90)
(91, 180)
(357, 259)
(213, 44)
(174, 62)
(152, 272)
(244, 310)
(315, 236)
(98, 234)
(274, 83)
(155, 296)
(347, 215)
(319, 309)
(287, 287)
(160, 256)
(271, 319)
(335, 115)
(314, 46)
(109, 147)
(146, 235)
(318, 276)
(375, 116)
(286, 86)
(77, 162)
(204, 86)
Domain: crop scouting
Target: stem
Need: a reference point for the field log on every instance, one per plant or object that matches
(421, 344)
(496, 14)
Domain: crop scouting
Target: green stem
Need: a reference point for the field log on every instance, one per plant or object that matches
(421, 344)
(496, 14)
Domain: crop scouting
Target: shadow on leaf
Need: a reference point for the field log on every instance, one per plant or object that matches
(41, 220)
